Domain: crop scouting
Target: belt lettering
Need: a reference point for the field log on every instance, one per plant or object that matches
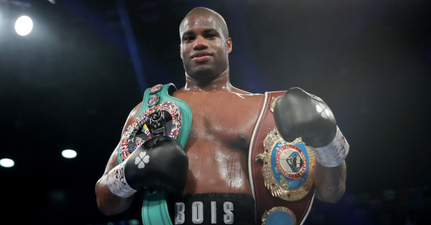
(179, 213)
(198, 212)
(228, 216)
(213, 212)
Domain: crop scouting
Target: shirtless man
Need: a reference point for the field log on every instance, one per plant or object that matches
(223, 121)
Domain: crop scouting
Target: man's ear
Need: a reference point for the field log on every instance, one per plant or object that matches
(181, 52)
(229, 45)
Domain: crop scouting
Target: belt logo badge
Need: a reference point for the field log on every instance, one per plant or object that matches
(162, 119)
(288, 167)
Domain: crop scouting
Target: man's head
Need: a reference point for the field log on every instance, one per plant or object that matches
(205, 44)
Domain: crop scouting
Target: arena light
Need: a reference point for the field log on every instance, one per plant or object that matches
(7, 163)
(69, 153)
(23, 25)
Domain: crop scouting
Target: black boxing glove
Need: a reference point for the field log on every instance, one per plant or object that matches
(159, 163)
(300, 114)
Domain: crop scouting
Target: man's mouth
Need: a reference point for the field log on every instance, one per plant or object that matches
(201, 56)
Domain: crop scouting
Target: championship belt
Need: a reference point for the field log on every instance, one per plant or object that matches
(281, 173)
(160, 114)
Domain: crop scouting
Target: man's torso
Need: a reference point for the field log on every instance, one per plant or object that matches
(219, 140)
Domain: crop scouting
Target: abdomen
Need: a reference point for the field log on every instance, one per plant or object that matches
(216, 168)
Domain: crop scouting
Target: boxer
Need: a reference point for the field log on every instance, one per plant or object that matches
(207, 180)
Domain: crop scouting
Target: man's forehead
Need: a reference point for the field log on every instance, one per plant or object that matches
(200, 21)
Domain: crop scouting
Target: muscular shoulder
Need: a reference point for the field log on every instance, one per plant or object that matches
(252, 98)
(246, 93)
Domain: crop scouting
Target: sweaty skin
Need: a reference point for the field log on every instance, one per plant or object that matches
(223, 122)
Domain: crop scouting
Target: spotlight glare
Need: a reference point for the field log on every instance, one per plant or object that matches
(23, 25)
(7, 163)
(69, 153)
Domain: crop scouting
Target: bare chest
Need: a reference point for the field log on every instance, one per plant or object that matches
(224, 121)
(222, 125)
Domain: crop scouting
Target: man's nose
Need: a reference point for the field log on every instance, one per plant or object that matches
(200, 43)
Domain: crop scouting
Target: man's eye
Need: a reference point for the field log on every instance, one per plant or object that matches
(188, 38)
(211, 36)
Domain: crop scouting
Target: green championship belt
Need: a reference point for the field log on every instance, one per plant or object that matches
(160, 114)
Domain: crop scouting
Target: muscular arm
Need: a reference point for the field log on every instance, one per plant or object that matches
(330, 182)
(108, 203)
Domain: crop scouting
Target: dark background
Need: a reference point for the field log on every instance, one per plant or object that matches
(72, 82)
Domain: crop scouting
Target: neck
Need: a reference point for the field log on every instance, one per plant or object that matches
(221, 82)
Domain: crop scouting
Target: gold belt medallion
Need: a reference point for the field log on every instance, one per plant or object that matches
(288, 167)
